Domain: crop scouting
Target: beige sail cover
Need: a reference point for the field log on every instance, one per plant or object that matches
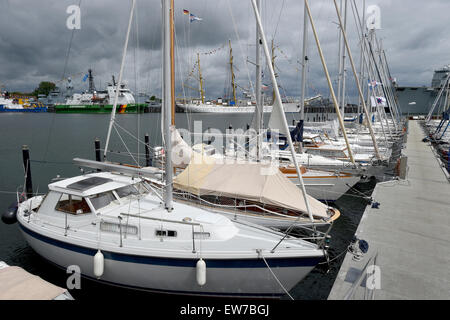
(17, 284)
(244, 180)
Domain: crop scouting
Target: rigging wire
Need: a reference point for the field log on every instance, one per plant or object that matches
(178, 69)
(125, 145)
(52, 122)
(275, 277)
(69, 48)
(279, 18)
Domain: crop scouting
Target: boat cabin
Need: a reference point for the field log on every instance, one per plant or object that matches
(91, 193)
(316, 145)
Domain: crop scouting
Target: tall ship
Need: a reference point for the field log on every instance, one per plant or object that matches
(419, 100)
(230, 104)
(218, 106)
(93, 101)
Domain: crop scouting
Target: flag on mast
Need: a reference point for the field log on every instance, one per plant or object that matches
(373, 84)
(186, 12)
(193, 18)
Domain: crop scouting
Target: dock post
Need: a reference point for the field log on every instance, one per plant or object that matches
(148, 160)
(209, 138)
(98, 156)
(27, 171)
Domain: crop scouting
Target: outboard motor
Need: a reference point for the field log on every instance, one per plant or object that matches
(10, 215)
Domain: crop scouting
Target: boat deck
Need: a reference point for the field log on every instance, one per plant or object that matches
(408, 235)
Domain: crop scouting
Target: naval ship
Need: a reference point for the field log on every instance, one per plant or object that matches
(93, 101)
(418, 100)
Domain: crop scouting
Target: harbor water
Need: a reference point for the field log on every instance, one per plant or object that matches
(55, 139)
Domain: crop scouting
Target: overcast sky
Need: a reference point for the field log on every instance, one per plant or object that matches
(34, 42)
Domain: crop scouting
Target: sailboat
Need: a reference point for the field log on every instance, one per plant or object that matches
(233, 105)
(120, 230)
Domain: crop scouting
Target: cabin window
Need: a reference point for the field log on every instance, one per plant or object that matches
(135, 189)
(118, 228)
(102, 199)
(72, 204)
(126, 191)
(166, 233)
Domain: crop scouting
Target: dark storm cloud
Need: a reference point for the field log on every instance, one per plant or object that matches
(34, 42)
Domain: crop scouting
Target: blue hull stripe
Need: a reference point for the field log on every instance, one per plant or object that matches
(175, 262)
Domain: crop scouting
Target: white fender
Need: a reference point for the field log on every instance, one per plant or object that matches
(99, 263)
(201, 272)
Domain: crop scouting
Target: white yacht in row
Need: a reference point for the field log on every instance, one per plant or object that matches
(118, 231)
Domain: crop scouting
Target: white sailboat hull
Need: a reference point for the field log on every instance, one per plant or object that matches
(326, 189)
(231, 277)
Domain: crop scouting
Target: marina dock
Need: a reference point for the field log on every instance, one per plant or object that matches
(408, 234)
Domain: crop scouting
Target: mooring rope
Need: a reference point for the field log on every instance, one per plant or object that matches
(273, 274)
(337, 257)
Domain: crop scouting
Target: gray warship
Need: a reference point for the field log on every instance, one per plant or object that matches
(418, 100)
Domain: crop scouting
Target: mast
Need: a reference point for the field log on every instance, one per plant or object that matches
(344, 35)
(122, 64)
(304, 70)
(259, 102)
(172, 60)
(384, 84)
(330, 85)
(361, 65)
(344, 70)
(388, 83)
(366, 66)
(273, 67)
(200, 79)
(392, 86)
(375, 65)
(339, 84)
(438, 97)
(280, 105)
(233, 85)
(167, 102)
